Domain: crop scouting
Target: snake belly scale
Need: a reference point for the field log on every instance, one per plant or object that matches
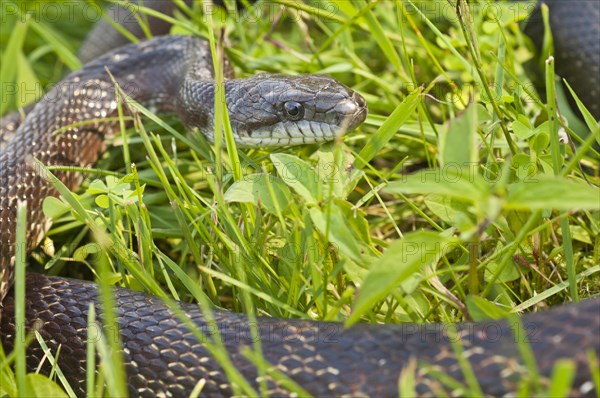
(161, 356)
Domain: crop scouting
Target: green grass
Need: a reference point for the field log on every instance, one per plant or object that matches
(345, 231)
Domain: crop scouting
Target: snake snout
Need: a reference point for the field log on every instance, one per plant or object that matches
(353, 111)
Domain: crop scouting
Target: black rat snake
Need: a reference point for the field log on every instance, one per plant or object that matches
(161, 356)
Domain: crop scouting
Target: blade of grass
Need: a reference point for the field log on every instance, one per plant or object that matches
(19, 288)
(521, 338)
(557, 162)
(58, 44)
(463, 362)
(384, 134)
(91, 353)
(8, 72)
(53, 361)
(562, 377)
(314, 11)
(555, 289)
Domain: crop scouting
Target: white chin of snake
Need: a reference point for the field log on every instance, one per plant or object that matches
(286, 134)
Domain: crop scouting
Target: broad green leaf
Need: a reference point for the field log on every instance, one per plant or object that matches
(97, 187)
(335, 169)
(453, 182)
(509, 273)
(113, 185)
(400, 261)
(540, 141)
(451, 211)
(389, 128)
(44, 387)
(298, 175)
(355, 220)
(102, 201)
(458, 142)
(253, 188)
(582, 234)
(546, 192)
(524, 168)
(356, 272)
(54, 207)
(337, 229)
(482, 310)
(83, 252)
(524, 131)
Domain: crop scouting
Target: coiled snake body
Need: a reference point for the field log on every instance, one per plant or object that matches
(161, 355)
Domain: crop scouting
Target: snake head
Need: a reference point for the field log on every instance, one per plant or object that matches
(278, 110)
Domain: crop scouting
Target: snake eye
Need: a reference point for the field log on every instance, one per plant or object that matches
(294, 110)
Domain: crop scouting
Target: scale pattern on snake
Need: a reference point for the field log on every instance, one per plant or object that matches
(161, 355)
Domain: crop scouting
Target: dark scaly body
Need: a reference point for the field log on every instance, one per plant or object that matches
(163, 357)
(576, 33)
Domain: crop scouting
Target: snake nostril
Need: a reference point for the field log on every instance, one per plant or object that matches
(360, 101)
